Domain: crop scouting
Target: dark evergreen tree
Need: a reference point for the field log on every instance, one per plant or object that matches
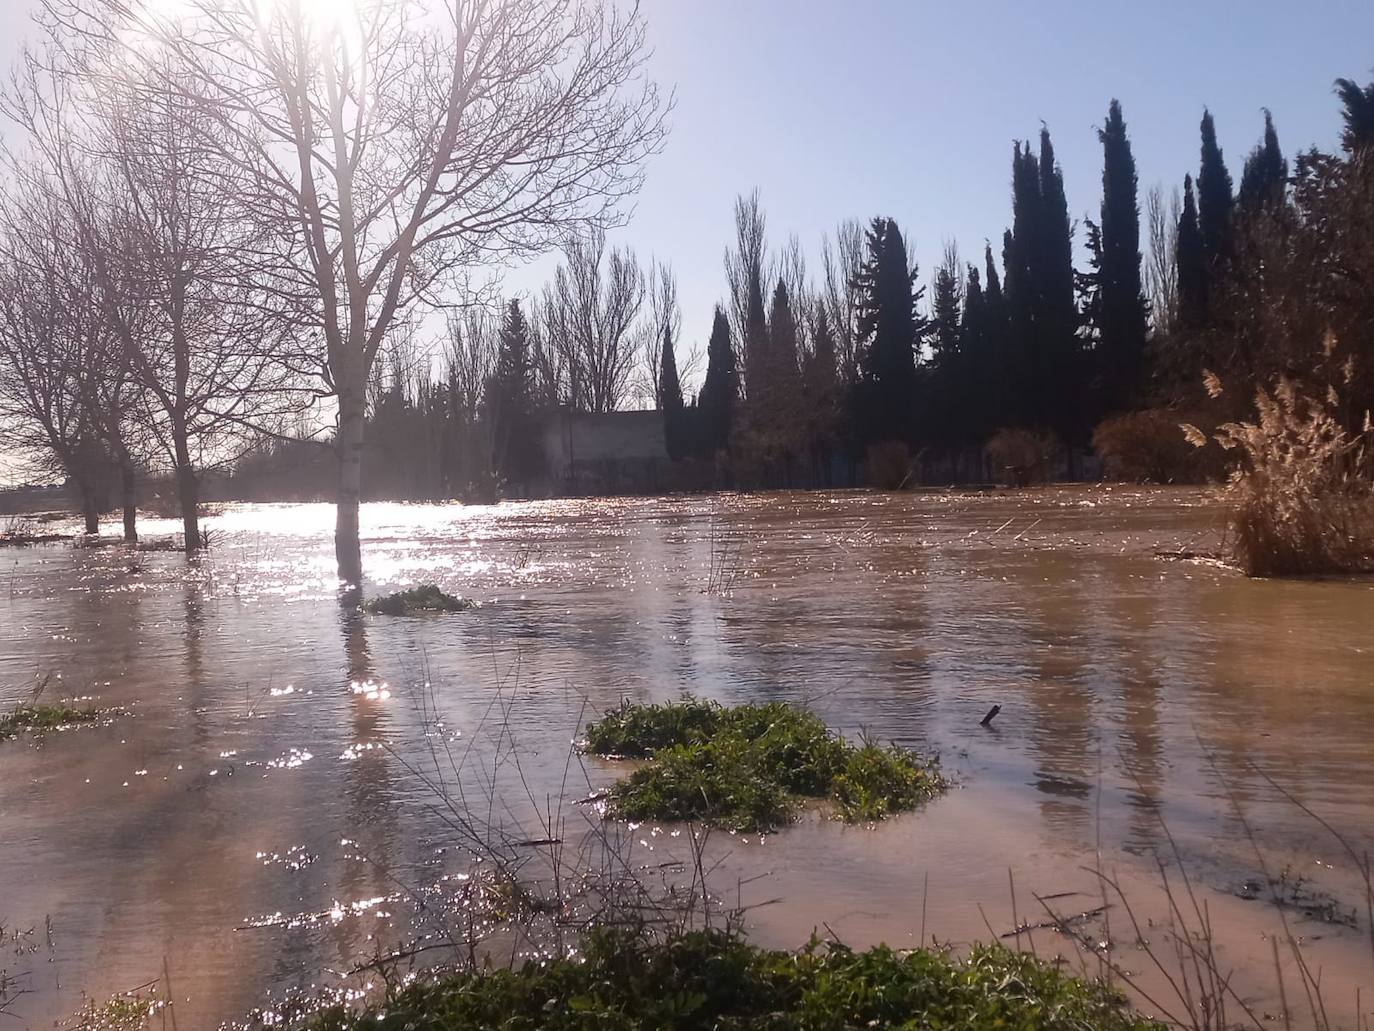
(1214, 199)
(670, 399)
(1263, 181)
(509, 399)
(1357, 104)
(1122, 312)
(756, 342)
(1059, 394)
(945, 316)
(720, 389)
(821, 394)
(945, 405)
(976, 356)
(1191, 263)
(890, 330)
(993, 290)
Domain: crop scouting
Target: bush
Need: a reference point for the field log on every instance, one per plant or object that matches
(1301, 499)
(747, 768)
(889, 465)
(425, 598)
(1149, 447)
(1023, 456)
(714, 979)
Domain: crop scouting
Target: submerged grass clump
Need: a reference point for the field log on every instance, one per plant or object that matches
(39, 717)
(713, 979)
(749, 767)
(425, 598)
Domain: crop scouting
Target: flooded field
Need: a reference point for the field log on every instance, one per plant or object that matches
(261, 811)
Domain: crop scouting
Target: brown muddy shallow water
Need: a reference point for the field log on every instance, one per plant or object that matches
(259, 812)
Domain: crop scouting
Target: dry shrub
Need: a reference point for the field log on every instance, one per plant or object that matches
(889, 464)
(1301, 497)
(1150, 447)
(1022, 455)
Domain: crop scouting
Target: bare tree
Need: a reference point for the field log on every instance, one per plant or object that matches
(840, 259)
(746, 271)
(389, 147)
(51, 342)
(1161, 273)
(664, 316)
(590, 313)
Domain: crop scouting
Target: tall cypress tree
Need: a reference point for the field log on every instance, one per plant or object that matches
(1059, 390)
(1122, 311)
(1214, 198)
(890, 329)
(756, 342)
(1191, 262)
(1265, 174)
(509, 398)
(946, 406)
(719, 390)
(945, 316)
(670, 397)
(821, 391)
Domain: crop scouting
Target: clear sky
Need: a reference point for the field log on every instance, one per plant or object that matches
(840, 108)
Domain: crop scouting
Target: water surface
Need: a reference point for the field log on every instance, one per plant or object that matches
(260, 813)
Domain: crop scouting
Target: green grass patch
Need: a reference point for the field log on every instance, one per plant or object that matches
(425, 598)
(749, 767)
(38, 718)
(709, 980)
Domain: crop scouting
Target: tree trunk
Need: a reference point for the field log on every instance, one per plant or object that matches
(129, 490)
(347, 547)
(189, 495)
(90, 511)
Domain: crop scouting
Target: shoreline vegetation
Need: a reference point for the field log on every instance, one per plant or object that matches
(704, 980)
(752, 767)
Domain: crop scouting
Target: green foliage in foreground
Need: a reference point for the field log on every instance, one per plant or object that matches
(710, 980)
(42, 717)
(748, 767)
(425, 598)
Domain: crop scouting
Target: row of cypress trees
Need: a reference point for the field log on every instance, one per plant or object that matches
(1025, 342)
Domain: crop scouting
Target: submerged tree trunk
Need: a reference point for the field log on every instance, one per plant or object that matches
(347, 547)
(188, 493)
(129, 498)
(90, 510)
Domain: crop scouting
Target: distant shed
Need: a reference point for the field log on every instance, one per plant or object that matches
(611, 453)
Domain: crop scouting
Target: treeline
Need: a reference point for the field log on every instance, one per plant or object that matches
(999, 366)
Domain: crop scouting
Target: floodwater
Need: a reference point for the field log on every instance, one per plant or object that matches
(281, 793)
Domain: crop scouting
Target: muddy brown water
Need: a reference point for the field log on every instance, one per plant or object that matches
(259, 812)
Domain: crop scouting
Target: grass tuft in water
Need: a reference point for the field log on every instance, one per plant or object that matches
(119, 1014)
(39, 717)
(747, 768)
(714, 979)
(425, 598)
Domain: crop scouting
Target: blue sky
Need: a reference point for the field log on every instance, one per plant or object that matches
(909, 108)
